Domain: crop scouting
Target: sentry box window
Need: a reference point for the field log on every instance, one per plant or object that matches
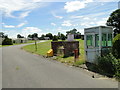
(89, 40)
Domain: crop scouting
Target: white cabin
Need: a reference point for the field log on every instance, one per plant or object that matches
(97, 40)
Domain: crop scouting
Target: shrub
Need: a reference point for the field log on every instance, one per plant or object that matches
(107, 64)
(7, 41)
(116, 46)
(117, 74)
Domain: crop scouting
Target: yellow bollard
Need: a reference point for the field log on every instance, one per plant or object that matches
(50, 53)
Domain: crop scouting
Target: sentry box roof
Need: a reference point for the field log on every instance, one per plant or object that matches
(99, 29)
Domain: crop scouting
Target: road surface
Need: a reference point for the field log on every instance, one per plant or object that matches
(21, 69)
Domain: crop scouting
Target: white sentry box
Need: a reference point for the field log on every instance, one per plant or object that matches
(97, 40)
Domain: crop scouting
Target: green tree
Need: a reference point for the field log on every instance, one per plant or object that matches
(30, 36)
(73, 31)
(1, 34)
(63, 37)
(77, 35)
(7, 41)
(55, 38)
(49, 35)
(35, 35)
(59, 35)
(116, 46)
(42, 37)
(19, 36)
(114, 20)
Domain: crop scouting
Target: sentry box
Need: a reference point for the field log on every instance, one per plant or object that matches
(97, 41)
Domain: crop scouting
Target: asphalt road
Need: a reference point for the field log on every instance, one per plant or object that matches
(21, 69)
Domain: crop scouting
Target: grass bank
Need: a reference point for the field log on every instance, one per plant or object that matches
(43, 47)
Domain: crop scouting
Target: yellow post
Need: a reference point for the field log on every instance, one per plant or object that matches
(50, 53)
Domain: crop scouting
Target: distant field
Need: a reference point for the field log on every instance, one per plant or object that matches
(43, 47)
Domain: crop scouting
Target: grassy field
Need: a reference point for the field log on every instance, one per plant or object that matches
(43, 47)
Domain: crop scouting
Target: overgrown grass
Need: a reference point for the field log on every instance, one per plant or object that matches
(43, 47)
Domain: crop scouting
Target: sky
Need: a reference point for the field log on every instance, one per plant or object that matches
(52, 16)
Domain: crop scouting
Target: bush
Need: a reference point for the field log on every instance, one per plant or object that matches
(116, 46)
(117, 74)
(107, 64)
(55, 38)
(7, 41)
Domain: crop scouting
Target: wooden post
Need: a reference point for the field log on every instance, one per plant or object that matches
(35, 44)
(76, 55)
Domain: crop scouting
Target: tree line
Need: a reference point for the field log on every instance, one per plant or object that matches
(77, 35)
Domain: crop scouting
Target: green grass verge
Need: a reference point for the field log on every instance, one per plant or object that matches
(29, 41)
(43, 47)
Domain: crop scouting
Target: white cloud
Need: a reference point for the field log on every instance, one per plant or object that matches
(102, 21)
(53, 24)
(31, 30)
(10, 6)
(93, 22)
(13, 26)
(81, 30)
(62, 30)
(24, 14)
(106, 0)
(9, 26)
(21, 24)
(75, 5)
(76, 17)
(56, 16)
(66, 23)
(86, 18)
(24, 32)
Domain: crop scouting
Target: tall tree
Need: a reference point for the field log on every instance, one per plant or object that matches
(35, 35)
(30, 36)
(73, 31)
(114, 20)
(59, 35)
(19, 36)
(1, 34)
(77, 35)
(49, 35)
(63, 37)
